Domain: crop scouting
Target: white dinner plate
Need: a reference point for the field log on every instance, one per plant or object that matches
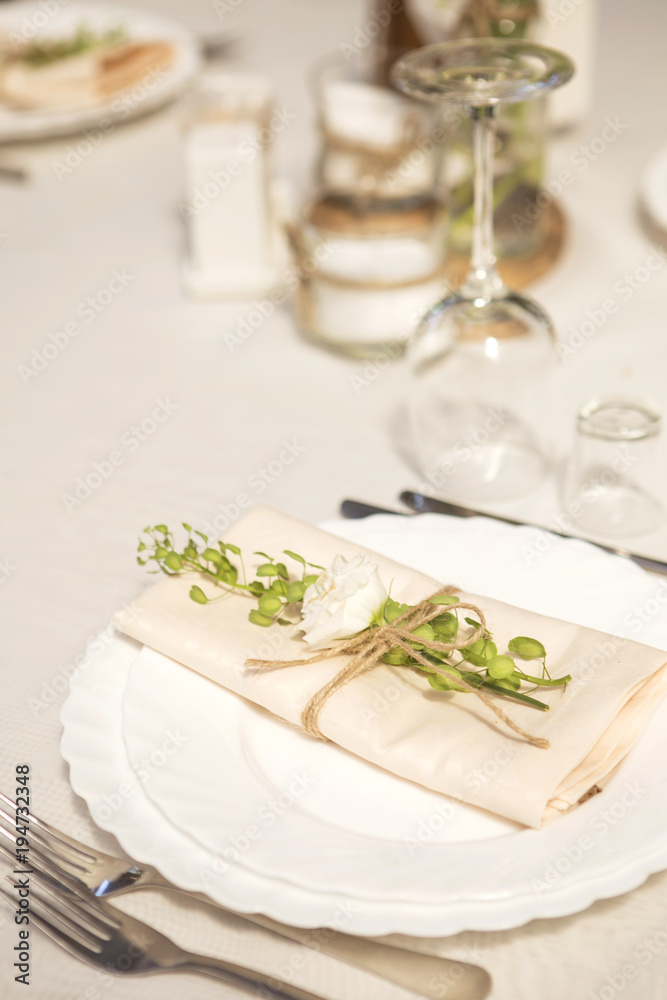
(40, 20)
(653, 188)
(226, 799)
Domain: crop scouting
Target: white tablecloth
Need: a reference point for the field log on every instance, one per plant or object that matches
(227, 416)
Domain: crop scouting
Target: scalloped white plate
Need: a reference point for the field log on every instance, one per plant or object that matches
(225, 799)
(33, 20)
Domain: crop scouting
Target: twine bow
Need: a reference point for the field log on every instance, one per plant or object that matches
(368, 647)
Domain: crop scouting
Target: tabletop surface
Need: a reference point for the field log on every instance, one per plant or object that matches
(198, 424)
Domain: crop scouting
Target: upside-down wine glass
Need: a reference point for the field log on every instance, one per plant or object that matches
(480, 358)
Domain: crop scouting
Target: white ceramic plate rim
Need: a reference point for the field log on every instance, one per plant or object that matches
(142, 831)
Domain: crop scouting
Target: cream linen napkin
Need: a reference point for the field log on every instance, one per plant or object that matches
(440, 740)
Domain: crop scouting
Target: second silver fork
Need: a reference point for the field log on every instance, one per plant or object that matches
(106, 876)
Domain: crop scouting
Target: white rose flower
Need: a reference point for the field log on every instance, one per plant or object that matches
(342, 601)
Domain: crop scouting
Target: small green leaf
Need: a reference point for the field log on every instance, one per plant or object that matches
(441, 683)
(269, 605)
(295, 555)
(264, 555)
(279, 586)
(141, 546)
(527, 649)
(267, 569)
(471, 621)
(198, 595)
(174, 562)
(423, 632)
(186, 526)
(295, 592)
(257, 618)
(282, 571)
(202, 535)
(396, 656)
(500, 667)
(284, 621)
(310, 579)
(142, 562)
(234, 548)
(256, 588)
(228, 576)
(445, 599)
(480, 652)
(315, 566)
(190, 552)
(212, 555)
(445, 627)
(162, 527)
(161, 552)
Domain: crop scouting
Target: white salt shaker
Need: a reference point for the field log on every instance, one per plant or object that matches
(235, 248)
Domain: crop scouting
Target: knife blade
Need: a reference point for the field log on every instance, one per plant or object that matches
(422, 504)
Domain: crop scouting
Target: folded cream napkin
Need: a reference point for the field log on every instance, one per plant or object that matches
(444, 741)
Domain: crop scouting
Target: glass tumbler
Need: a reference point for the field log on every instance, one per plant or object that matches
(614, 480)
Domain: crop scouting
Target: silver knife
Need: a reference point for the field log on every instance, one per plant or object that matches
(422, 504)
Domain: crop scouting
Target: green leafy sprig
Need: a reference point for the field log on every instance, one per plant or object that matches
(273, 587)
(279, 594)
(496, 672)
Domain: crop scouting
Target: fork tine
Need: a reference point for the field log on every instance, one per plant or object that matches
(45, 832)
(51, 858)
(72, 944)
(58, 912)
(72, 906)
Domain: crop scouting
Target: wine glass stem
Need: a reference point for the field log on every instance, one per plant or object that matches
(483, 280)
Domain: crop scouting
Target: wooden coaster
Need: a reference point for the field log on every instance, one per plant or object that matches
(518, 272)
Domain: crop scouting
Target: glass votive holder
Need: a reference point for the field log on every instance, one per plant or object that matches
(614, 479)
(373, 141)
(367, 276)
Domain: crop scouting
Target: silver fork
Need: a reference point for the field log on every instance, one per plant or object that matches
(103, 936)
(103, 875)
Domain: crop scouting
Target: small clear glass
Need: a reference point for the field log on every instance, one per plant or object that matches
(614, 479)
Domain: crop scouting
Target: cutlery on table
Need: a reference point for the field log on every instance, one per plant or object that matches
(422, 504)
(419, 503)
(104, 936)
(64, 861)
